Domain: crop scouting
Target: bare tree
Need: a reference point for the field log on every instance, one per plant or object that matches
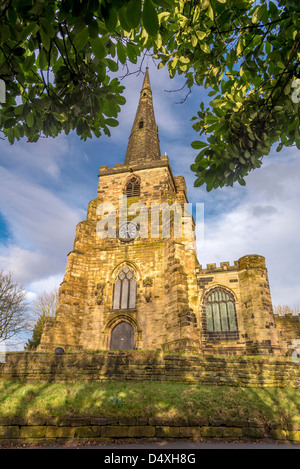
(282, 310)
(45, 304)
(42, 310)
(13, 308)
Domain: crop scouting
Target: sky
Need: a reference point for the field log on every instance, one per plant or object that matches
(45, 188)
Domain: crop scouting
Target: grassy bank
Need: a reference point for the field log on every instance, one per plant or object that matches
(149, 399)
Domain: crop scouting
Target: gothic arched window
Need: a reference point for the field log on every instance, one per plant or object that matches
(220, 315)
(124, 292)
(133, 187)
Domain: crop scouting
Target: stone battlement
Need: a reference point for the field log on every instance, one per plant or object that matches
(251, 261)
(214, 268)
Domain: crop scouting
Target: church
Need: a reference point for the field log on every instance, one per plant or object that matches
(133, 280)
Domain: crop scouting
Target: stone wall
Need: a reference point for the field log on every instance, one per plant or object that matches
(288, 327)
(154, 366)
(39, 430)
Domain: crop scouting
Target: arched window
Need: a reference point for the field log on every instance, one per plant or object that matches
(141, 124)
(133, 187)
(124, 292)
(220, 315)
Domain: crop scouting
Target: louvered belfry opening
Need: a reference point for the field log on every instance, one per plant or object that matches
(133, 188)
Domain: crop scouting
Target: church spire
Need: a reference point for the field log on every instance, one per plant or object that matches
(143, 144)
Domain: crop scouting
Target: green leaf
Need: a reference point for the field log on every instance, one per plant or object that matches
(30, 29)
(30, 119)
(12, 16)
(80, 39)
(43, 61)
(279, 148)
(111, 20)
(131, 52)
(199, 181)
(121, 52)
(93, 29)
(98, 48)
(205, 47)
(194, 40)
(47, 27)
(4, 32)
(123, 19)
(111, 122)
(45, 39)
(184, 60)
(150, 19)
(255, 14)
(201, 35)
(28, 62)
(19, 109)
(210, 12)
(134, 13)
(112, 65)
(197, 144)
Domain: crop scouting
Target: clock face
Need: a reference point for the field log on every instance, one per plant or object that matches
(128, 231)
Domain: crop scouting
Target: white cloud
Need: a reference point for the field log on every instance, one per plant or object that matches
(42, 228)
(46, 284)
(42, 158)
(26, 265)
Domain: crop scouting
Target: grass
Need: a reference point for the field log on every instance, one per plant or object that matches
(149, 399)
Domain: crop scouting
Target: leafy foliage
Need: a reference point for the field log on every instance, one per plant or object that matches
(37, 332)
(247, 53)
(56, 56)
(42, 311)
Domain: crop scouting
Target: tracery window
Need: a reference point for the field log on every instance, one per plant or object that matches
(133, 187)
(220, 315)
(124, 292)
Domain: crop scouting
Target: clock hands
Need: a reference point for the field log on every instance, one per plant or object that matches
(128, 231)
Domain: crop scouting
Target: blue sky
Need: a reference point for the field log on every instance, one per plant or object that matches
(45, 188)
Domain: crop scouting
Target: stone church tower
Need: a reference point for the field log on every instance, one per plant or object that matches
(133, 280)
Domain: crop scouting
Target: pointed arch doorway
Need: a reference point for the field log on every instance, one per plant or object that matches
(122, 337)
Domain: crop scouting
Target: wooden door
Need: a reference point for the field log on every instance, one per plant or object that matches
(122, 337)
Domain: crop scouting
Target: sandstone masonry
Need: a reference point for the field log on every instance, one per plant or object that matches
(150, 292)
